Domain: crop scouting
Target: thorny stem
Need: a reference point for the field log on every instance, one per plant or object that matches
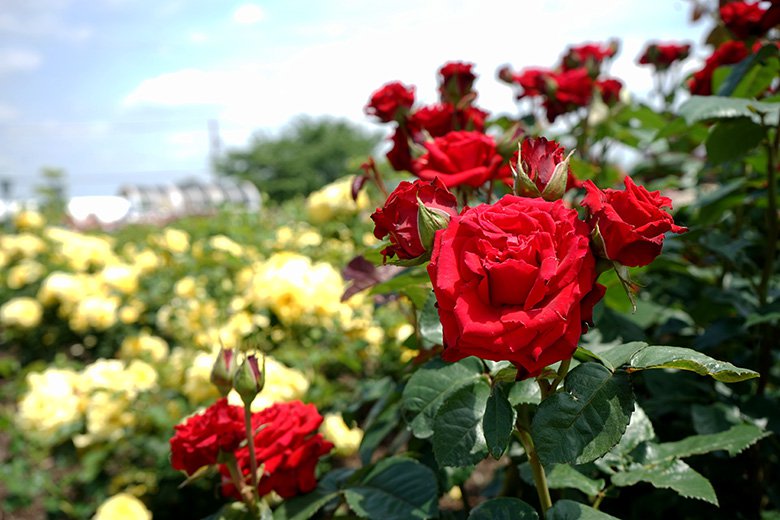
(540, 478)
(250, 440)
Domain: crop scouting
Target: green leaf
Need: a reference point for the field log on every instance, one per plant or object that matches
(381, 424)
(733, 440)
(670, 474)
(525, 392)
(730, 139)
(639, 430)
(304, 506)
(621, 354)
(396, 488)
(586, 419)
(584, 355)
(414, 283)
(498, 422)
(458, 434)
(688, 359)
(430, 385)
(563, 476)
(700, 108)
(503, 508)
(753, 75)
(429, 323)
(571, 510)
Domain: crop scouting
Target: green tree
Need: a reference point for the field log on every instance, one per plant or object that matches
(307, 155)
(52, 193)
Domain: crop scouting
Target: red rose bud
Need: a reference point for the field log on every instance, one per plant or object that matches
(610, 90)
(391, 102)
(410, 217)
(542, 171)
(223, 371)
(249, 379)
(631, 222)
(663, 55)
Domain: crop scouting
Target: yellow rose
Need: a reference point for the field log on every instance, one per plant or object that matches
(29, 219)
(334, 201)
(122, 506)
(24, 273)
(144, 346)
(121, 277)
(50, 403)
(23, 312)
(346, 440)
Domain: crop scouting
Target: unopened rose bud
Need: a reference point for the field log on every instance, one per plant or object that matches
(429, 221)
(223, 371)
(249, 379)
(542, 170)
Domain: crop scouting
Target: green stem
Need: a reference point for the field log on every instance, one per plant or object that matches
(765, 353)
(540, 478)
(250, 440)
(238, 480)
(563, 369)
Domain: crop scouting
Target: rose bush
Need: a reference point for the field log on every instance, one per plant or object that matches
(514, 281)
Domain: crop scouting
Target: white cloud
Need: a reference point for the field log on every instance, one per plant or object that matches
(248, 14)
(18, 59)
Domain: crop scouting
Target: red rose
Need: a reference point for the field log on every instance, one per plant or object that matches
(631, 221)
(743, 19)
(456, 81)
(398, 218)
(532, 81)
(514, 281)
(400, 155)
(198, 441)
(390, 102)
(538, 158)
(728, 53)
(287, 447)
(663, 55)
(589, 55)
(443, 118)
(610, 90)
(567, 91)
(457, 158)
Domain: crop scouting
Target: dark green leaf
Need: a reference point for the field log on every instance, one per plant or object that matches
(586, 419)
(700, 108)
(563, 476)
(584, 355)
(571, 510)
(639, 430)
(730, 139)
(430, 326)
(382, 423)
(670, 474)
(733, 440)
(753, 75)
(503, 508)
(621, 354)
(498, 422)
(428, 387)
(524, 392)
(396, 488)
(458, 435)
(304, 506)
(688, 359)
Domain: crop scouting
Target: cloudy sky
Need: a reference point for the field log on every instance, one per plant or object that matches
(122, 91)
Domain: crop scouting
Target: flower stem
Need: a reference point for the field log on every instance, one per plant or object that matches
(563, 369)
(250, 440)
(540, 478)
(238, 480)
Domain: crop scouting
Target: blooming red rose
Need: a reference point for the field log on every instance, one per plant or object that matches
(198, 441)
(390, 102)
(728, 53)
(567, 91)
(287, 447)
(532, 80)
(457, 158)
(514, 281)
(443, 118)
(456, 81)
(400, 155)
(538, 158)
(398, 218)
(631, 222)
(610, 90)
(589, 56)
(663, 55)
(743, 19)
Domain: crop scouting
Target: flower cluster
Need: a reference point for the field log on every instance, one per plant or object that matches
(516, 280)
(663, 55)
(570, 85)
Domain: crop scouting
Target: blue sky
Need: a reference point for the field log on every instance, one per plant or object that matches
(121, 91)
